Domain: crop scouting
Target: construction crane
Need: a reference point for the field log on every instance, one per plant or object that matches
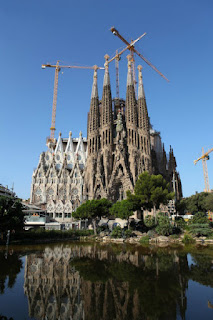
(117, 59)
(204, 158)
(51, 139)
(132, 49)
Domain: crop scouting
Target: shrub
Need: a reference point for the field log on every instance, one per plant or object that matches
(200, 218)
(144, 239)
(117, 232)
(164, 227)
(180, 223)
(128, 233)
(149, 221)
(174, 236)
(200, 229)
(188, 239)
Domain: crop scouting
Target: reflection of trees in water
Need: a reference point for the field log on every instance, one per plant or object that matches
(121, 290)
(201, 269)
(111, 282)
(5, 318)
(9, 267)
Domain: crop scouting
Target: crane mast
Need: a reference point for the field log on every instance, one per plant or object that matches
(55, 94)
(204, 158)
(51, 139)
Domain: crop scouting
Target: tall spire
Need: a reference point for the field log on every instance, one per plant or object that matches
(106, 105)
(130, 110)
(95, 85)
(141, 93)
(143, 119)
(106, 75)
(129, 74)
(93, 118)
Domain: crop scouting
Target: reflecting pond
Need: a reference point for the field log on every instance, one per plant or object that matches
(106, 282)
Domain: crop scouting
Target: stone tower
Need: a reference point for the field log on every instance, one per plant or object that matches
(118, 143)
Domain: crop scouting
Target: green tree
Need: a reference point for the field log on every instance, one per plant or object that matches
(199, 218)
(11, 215)
(150, 191)
(199, 225)
(209, 202)
(123, 210)
(195, 203)
(93, 209)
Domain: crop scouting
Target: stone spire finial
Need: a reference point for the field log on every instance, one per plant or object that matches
(106, 75)
(80, 134)
(129, 74)
(141, 93)
(95, 85)
(60, 133)
(70, 133)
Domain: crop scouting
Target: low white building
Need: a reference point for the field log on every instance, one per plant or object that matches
(57, 182)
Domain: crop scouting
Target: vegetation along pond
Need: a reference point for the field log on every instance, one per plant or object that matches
(106, 281)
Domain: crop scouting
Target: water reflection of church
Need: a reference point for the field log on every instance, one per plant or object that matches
(93, 282)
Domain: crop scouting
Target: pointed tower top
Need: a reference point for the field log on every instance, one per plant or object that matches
(59, 145)
(95, 86)
(129, 74)
(141, 93)
(106, 75)
(69, 146)
(80, 134)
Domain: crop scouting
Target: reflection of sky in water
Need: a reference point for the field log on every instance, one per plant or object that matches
(190, 260)
(14, 303)
(197, 301)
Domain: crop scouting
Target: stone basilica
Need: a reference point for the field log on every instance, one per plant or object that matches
(120, 145)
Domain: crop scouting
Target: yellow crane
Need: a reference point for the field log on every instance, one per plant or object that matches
(51, 139)
(204, 158)
(117, 58)
(130, 46)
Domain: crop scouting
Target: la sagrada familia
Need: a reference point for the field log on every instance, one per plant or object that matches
(120, 145)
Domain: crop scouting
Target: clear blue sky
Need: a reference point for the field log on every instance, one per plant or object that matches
(179, 42)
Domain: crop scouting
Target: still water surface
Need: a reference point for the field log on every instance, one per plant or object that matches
(106, 282)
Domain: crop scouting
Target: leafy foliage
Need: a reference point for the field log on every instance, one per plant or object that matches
(199, 218)
(149, 221)
(187, 239)
(122, 209)
(128, 233)
(116, 232)
(200, 229)
(144, 239)
(11, 215)
(93, 209)
(209, 202)
(180, 223)
(202, 202)
(164, 227)
(150, 191)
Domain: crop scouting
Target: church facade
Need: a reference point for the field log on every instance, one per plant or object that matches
(120, 145)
